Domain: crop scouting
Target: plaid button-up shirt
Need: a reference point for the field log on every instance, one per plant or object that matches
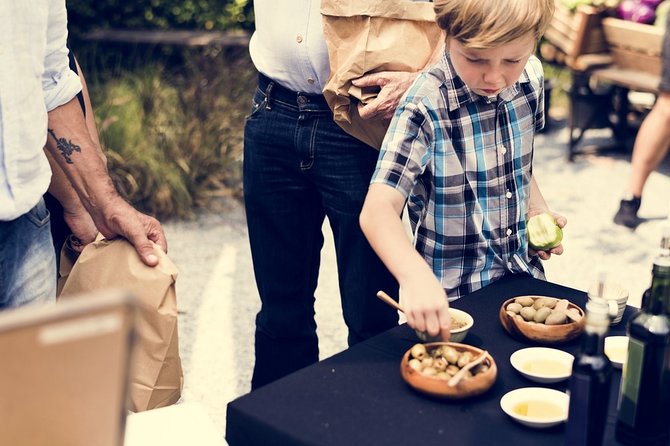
(464, 162)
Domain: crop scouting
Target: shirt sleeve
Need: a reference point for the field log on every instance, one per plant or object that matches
(59, 83)
(405, 152)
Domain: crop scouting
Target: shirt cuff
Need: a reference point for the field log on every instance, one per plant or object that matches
(61, 89)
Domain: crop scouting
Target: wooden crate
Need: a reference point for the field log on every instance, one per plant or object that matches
(634, 46)
(576, 33)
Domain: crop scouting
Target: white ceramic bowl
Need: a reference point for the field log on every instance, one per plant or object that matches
(537, 407)
(457, 334)
(616, 348)
(542, 364)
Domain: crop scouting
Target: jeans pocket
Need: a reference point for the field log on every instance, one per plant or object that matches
(39, 215)
(257, 103)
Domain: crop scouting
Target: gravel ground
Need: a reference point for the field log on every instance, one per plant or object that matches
(218, 300)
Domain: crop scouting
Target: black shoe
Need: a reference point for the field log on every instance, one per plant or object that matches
(627, 213)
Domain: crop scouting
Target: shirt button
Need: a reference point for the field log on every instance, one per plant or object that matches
(503, 150)
(509, 265)
(299, 38)
(310, 80)
(508, 232)
(508, 194)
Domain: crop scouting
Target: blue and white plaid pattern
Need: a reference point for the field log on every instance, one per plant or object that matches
(464, 162)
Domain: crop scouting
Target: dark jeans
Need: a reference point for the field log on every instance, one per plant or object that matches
(299, 167)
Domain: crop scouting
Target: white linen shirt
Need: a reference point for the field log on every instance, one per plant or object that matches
(288, 45)
(34, 78)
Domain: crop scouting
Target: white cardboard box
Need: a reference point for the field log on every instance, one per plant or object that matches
(176, 425)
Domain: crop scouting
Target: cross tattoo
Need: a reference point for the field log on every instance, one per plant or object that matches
(66, 147)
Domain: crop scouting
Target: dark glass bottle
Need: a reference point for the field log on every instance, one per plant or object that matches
(644, 396)
(590, 381)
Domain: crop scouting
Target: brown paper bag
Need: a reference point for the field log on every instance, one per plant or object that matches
(367, 37)
(156, 376)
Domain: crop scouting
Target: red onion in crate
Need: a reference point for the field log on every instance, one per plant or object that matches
(651, 3)
(626, 8)
(644, 14)
(636, 11)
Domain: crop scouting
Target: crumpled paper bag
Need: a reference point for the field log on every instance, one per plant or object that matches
(156, 374)
(368, 37)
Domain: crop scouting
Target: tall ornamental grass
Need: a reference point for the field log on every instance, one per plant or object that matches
(173, 134)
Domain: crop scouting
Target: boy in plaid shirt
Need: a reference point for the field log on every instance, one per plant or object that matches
(459, 152)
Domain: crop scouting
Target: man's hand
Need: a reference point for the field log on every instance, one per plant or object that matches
(118, 218)
(393, 86)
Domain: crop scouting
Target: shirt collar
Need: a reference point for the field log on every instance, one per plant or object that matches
(459, 94)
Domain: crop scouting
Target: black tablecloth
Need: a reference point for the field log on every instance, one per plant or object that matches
(358, 397)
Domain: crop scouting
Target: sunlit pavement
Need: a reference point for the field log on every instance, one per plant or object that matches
(217, 295)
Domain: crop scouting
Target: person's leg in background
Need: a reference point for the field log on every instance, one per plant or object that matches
(284, 219)
(651, 145)
(27, 260)
(343, 167)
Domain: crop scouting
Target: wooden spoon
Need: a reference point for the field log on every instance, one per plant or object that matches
(389, 300)
(461, 373)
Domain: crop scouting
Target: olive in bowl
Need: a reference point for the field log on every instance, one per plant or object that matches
(429, 368)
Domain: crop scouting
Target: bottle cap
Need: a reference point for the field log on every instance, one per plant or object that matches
(598, 306)
(600, 311)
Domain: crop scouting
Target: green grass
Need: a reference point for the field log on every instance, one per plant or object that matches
(173, 133)
(560, 75)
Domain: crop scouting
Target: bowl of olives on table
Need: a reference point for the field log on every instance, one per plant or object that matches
(542, 319)
(448, 369)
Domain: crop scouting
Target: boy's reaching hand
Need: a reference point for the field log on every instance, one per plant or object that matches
(426, 306)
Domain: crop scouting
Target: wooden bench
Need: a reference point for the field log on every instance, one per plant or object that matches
(607, 58)
(636, 53)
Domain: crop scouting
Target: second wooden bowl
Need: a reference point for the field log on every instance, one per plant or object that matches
(538, 332)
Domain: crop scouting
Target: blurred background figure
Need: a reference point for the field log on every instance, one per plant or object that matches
(651, 145)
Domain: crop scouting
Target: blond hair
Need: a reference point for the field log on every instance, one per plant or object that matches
(483, 24)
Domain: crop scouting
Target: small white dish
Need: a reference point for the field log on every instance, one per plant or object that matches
(542, 364)
(463, 319)
(616, 348)
(461, 323)
(537, 407)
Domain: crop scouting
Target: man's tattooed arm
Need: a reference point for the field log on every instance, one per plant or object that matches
(66, 147)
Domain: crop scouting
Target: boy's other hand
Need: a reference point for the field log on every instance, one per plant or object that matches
(393, 86)
(561, 221)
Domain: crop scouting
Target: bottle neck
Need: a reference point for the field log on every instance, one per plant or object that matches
(597, 324)
(658, 300)
(593, 343)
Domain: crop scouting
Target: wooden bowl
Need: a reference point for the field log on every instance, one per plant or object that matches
(439, 387)
(538, 332)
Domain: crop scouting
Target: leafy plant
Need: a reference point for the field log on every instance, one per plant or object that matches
(85, 15)
(173, 137)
